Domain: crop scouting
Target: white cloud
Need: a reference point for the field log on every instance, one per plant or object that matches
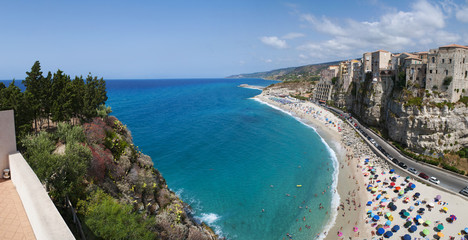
(302, 56)
(268, 60)
(274, 42)
(394, 31)
(293, 35)
(462, 13)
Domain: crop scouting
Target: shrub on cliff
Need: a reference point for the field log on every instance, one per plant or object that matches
(109, 219)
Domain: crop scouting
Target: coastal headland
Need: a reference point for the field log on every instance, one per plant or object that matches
(373, 200)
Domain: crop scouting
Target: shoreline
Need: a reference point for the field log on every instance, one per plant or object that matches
(358, 168)
(332, 138)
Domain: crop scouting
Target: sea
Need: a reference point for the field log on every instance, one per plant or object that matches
(248, 170)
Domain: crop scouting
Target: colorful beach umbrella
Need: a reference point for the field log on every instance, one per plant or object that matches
(413, 186)
(413, 228)
(417, 194)
(388, 234)
(401, 192)
(440, 234)
(355, 229)
(395, 228)
(407, 237)
(440, 227)
(427, 222)
(369, 203)
(378, 196)
(376, 218)
(445, 209)
(466, 230)
(407, 224)
(388, 223)
(425, 231)
(431, 204)
(392, 184)
(453, 217)
(388, 214)
(380, 231)
(418, 217)
(406, 214)
(340, 234)
(392, 170)
(420, 221)
(393, 207)
(438, 197)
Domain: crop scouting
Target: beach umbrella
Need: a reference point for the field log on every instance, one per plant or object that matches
(383, 204)
(438, 197)
(378, 196)
(407, 178)
(421, 210)
(407, 224)
(466, 230)
(355, 229)
(394, 199)
(369, 203)
(407, 237)
(398, 188)
(388, 223)
(453, 217)
(392, 184)
(374, 189)
(388, 234)
(417, 194)
(440, 234)
(376, 218)
(390, 218)
(402, 192)
(396, 228)
(393, 207)
(392, 170)
(445, 209)
(388, 214)
(418, 217)
(440, 227)
(431, 204)
(427, 222)
(420, 221)
(413, 186)
(406, 214)
(380, 231)
(413, 228)
(340, 234)
(411, 208)
(425, 231)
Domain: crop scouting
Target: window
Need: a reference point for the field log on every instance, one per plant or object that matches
(466, 74)
(463, 60)
(430, 71)
(446, 72)
(450, 60)
(436, 71)
(433, 59)
(443, 60)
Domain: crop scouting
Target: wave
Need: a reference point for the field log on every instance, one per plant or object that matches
(335, 196)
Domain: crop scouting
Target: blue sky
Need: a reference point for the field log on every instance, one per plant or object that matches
(179, 39)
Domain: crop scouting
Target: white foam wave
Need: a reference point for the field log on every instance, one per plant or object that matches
(209, 218)
(335, 196)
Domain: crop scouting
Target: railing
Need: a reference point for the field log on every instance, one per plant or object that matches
(76, 220)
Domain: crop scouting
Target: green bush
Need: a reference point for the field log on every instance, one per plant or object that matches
(109, 219)
(115, 144)
(103, 111)
(67, 133)
(414, 101)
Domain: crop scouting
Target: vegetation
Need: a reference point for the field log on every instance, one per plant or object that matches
(54, 98)
(334, 79)
(300, 97)
(447, 80)
(414, 101)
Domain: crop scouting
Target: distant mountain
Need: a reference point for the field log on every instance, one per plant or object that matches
(307, 72)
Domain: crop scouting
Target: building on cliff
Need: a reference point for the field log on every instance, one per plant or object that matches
(381, 61)
(448, 71)
(324, 88)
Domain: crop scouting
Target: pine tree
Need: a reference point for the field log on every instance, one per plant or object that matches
(33, 85)
(61, 97)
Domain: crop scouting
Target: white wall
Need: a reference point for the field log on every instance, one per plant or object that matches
(7, 137)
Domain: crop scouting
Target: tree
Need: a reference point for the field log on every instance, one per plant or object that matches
(61, 97)
(46, 97)
(33, 85)
(95, 95)
(77, 93)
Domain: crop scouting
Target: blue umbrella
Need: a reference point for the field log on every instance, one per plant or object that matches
(388, 234)
(413, 186)
(393, 207)
(388, 222)
(407, 237)
(369, 203)
(413, 228)
(418, 217)
(466, 230)
(417, 194)
(378, 196)
(396, 228)
(376, 218)
(392, 170)
(380, 231)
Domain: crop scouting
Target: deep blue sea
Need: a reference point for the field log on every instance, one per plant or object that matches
(236, 161)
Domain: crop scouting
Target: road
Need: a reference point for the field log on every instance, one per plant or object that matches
(447, 180)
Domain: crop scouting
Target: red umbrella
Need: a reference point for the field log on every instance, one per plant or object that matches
(453, 217)
(392, 184)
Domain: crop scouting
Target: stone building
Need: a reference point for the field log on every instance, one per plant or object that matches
(381, 60)
(447, 71)
(366, 65)
(323, 91)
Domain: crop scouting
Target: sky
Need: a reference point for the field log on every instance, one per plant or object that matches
(121, 39)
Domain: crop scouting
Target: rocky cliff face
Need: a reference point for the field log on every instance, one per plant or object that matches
(409, 116)
(122, 171)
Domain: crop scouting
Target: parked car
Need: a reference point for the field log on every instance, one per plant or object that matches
(394, 160)
(434, 180)
(402, 165)
(464, 191)
(423, 175)
(412, 170)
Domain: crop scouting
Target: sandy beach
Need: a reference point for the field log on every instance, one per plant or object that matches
(358, 168)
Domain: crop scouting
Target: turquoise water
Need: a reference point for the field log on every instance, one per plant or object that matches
(230, 156)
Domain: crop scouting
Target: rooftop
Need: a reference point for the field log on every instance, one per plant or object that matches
(14, 223)
(454, 46)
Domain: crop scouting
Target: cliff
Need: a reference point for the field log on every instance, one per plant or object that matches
(410, 116)
(122, 171)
